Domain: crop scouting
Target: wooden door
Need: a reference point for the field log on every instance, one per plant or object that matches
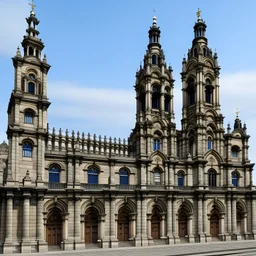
(214, 225)
(123, 226)
(54, 229)
(91, 227)
(155, 227)
(183, 231)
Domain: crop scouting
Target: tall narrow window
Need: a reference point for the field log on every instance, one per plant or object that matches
(154, 59)
(124, 177)
(209, 143)
(93, 174)
(191, 91)
(157, 176)
(31, 88)
(235, 179)
(212, 178)
(167, 103)
(180, 179)
(157, 144)
(208, 91)
(142, 100)
(27, 149)
(234, 151)
(54, 173)
(28, 117)
(156, 97)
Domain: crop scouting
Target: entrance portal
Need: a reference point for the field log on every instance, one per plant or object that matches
(123, 226)
(183, 224)
(91, 226)
(54, 228)
(214, 225)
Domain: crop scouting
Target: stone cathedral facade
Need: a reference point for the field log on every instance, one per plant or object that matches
(161, 186)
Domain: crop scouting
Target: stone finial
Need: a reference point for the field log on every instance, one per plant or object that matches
(66, 132)
(18, 53)
(60, 132)
(44, 59)
(189, 157)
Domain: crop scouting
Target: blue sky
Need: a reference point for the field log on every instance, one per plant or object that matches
(95, 48)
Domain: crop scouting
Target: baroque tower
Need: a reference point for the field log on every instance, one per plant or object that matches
(27, 110)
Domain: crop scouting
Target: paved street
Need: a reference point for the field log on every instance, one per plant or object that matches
(243, 248)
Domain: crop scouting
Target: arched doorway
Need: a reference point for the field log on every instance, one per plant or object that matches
(155, 224)
(54, 228)
(214, 224)
(91, 226)
(123, 225)
(183, 227)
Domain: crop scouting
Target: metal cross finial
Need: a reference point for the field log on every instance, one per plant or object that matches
(237, 112)
(32, 6)
(198, 14)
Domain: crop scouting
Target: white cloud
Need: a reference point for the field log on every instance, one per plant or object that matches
(12, 13)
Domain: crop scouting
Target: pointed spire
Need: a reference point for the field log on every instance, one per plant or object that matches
(154, 35)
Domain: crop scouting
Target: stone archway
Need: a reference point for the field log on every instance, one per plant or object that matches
(214, 223)
(54, 228)
(183, 224)
(91, 226)
(123, 225)
(155, 223)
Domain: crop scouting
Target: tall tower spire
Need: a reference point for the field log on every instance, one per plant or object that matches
(200, 86)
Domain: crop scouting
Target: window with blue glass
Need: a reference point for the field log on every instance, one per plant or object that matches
(157, 144)
(93, 175)
(157, 177)
(209, 143)
(31, 88)
(27, 149)
(180, 179)
(124, 177)
(234, 151)
(54, 173)
(235, 179)
(28, 117)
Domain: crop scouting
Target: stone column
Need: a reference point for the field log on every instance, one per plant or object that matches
(105, 239)
(169, 220)
(229, 214)
(70, 173)
(69, 243)
(40, 221)
(9, 218)
(144, 221)
(162, 229)
(174, 223)
(200, 220)
(8, 246)
(138, 223)
(77, 176)
(78, 241)
(25, 245)
(253, 217)
(234, 221)
(113, 239)
(149, 225)
(206, 223)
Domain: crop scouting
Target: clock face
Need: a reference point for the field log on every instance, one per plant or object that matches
(32, 76)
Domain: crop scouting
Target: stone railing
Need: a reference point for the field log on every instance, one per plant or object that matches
(90, 144)
(56, 185)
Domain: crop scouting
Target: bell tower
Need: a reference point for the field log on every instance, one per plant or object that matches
(202, 122)
(27, 110)
(154, 101)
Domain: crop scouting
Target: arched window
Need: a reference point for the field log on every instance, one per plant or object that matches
(180, 179)
(157, 177)
(142, 100)
(208, 91)
(30, 51)
(234, 151)
(28, 117)
(154, 59)
(235, 179)
(167, 99)
(93, 174)
(191, 91)
(156, 97)
(195, 52)
(124, 177)
(54, 173)
(27, 149)
(204, 50)
(157, 144)
(212, 178)
(31, 88)
(209, 143)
